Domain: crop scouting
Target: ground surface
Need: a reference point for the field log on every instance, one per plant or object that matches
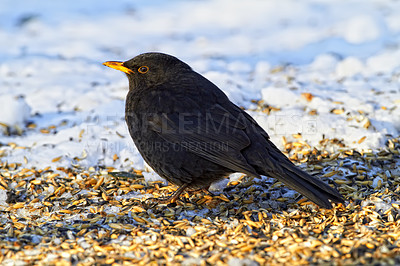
(322, 77)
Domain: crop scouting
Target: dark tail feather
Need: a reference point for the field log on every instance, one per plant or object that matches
(314, 189)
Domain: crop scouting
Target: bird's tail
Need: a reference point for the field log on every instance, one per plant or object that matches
(314, 189)
(276, 164)
(281, 168)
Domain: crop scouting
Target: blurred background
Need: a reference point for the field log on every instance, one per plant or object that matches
(324, 69)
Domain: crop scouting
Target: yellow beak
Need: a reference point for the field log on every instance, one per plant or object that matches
(118, 66)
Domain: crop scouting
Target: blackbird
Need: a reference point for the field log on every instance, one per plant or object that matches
(191, 134)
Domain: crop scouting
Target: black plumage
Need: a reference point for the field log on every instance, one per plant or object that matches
(191, 134)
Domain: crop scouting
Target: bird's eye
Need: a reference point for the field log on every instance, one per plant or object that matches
(143, 69)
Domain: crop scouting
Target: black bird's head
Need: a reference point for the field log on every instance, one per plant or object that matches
(150, 69)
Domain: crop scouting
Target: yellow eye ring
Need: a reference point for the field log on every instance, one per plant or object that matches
(143, 69)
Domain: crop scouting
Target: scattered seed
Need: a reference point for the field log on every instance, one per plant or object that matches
(308, 96)
(361, 140)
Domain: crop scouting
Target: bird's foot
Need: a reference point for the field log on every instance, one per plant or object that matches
(170, 199)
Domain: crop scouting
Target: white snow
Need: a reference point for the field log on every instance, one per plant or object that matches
(3, 197)
(279, 97)
(112, 210)
(377, 182)
(14, 111)
(151, 177)
(345, 53)
(349, 67)
(190, 231)
(218, 186)
(361, 29)
(241, 262)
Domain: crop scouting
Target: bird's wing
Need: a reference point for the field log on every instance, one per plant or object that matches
(214, 134)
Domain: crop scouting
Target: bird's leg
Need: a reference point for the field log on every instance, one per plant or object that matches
(174, 196)
(204, 190)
